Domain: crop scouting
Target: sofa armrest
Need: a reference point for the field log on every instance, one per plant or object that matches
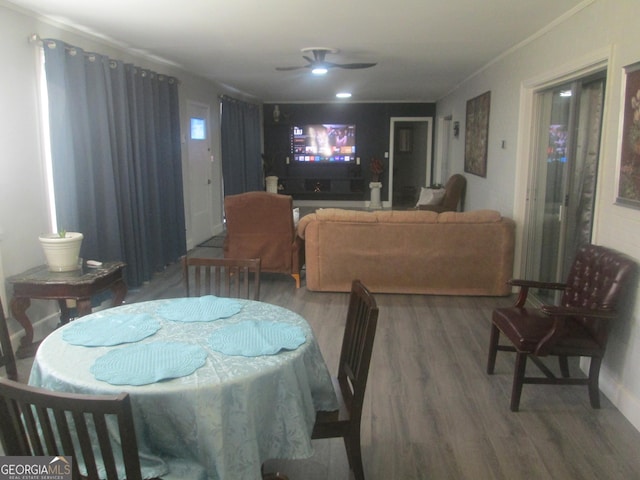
(302, 224)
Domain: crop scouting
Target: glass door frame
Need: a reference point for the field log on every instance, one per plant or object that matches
(541, 121)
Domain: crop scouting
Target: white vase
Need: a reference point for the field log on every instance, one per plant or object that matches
(272, 183)
(62, 253)
(375, 202)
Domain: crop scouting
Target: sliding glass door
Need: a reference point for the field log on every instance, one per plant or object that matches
(565, 174)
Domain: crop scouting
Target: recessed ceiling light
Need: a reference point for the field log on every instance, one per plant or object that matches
(343, 95)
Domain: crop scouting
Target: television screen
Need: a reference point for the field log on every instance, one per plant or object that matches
(324, 143)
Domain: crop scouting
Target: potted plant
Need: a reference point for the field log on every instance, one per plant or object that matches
(376, 169)
(62, 250)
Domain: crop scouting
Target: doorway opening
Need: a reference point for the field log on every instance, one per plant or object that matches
(200, 165)
(410, 164)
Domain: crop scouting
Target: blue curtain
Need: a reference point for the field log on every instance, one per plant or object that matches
(241, 159)
(115, 145)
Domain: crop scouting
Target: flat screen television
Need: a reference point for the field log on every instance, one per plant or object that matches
(328, 143)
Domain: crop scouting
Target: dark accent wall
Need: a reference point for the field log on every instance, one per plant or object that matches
(372, 122)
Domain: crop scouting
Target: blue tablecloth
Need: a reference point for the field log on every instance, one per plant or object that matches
(230, 415)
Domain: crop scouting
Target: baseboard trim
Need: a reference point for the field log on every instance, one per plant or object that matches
(624, 400)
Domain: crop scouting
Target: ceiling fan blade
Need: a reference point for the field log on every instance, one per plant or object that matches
(287, 69)
(353, 66)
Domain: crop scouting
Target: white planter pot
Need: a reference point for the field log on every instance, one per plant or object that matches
(272, 183)
(62, 252)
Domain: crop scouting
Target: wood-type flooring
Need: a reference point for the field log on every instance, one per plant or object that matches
(431, 411)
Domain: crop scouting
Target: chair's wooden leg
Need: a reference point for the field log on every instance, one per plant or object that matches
(354, 455)
(493, 348)
(518, 377)
(564, 366)
(296, 276)
(594, 389)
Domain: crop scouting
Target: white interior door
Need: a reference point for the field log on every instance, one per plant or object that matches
(200, 173)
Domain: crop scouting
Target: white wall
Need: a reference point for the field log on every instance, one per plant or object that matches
(23, 205)
(597, 30)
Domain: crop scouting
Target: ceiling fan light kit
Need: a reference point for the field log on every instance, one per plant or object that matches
(319, 66)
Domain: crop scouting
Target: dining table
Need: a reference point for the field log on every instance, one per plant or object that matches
(222, 384)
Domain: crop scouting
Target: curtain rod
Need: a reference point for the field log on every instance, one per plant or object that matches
(34, 38)
(236, 100)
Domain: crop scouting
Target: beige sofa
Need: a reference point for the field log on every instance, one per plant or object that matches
(450, 253)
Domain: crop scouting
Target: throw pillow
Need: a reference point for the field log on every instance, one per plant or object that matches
(431, 196)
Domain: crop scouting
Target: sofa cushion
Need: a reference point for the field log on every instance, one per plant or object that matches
(341, 215)
(472, 216)
(407, 216)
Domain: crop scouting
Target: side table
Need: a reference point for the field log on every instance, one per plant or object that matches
(79, 285)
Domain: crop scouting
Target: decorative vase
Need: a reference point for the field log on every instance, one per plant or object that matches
(271, 183)
(62, 253)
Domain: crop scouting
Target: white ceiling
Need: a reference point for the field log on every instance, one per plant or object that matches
(424, 48)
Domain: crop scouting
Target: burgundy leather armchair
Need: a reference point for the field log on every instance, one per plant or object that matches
(260, 225)
(578, 327)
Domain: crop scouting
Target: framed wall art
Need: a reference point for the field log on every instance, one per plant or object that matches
(476, 136)
(629, 174)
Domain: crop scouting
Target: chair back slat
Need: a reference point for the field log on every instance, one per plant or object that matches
(222, 277)
(35, 416)
(89, 428)
(105, 444)
(357, 347)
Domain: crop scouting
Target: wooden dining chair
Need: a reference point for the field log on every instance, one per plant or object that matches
(38, 422)
(222, 277)
(351, 382)
(7, 357)
(577, 327)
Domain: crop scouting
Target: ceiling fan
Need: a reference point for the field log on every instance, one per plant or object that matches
(319, 65)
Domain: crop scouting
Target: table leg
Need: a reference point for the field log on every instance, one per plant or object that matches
(119, 290)
(64, 311)
(83, 306)
(19, 310)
